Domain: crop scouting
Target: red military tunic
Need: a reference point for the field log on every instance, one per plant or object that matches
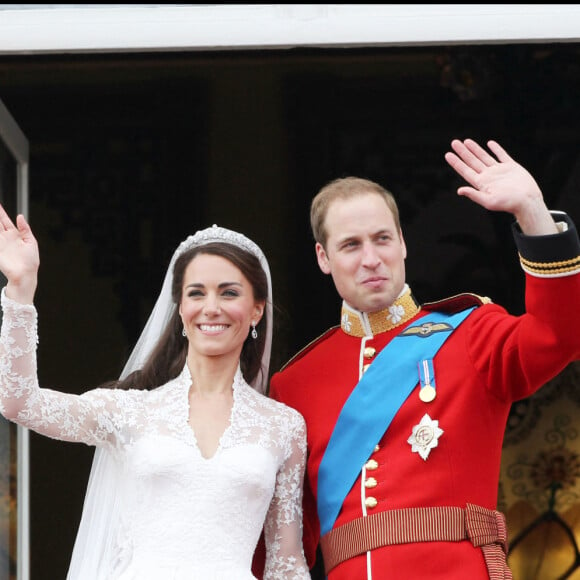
(491, 360)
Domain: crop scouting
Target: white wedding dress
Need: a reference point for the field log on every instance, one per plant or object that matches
(177, 515)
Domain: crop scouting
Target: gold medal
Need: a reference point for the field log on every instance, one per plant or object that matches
(427, 393)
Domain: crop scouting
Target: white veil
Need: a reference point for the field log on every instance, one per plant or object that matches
(94, 549)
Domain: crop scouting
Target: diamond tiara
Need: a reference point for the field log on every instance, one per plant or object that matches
(219, 234)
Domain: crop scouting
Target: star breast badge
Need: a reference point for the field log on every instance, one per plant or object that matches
(425, 436)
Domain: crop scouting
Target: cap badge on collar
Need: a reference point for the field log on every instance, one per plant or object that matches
(396, 313)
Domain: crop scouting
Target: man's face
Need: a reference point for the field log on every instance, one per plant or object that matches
(365, 253)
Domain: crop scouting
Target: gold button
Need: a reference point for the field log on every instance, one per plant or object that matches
(369, 352)
(370, 483)
(365, 368)
(371, 464)
(371, 502)
(376, 448)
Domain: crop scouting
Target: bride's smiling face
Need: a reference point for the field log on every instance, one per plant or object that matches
(217, 306)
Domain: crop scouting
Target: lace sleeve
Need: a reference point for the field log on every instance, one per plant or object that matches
(283, 526)
(88, 418)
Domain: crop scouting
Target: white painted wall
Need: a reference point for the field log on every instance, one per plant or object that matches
(48, 28)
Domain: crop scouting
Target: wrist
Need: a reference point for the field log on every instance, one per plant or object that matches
(23, 290)
(535, 220)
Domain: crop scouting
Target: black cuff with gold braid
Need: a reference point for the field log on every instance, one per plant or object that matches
(553, 255)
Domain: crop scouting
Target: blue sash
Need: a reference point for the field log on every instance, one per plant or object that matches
(370, 408)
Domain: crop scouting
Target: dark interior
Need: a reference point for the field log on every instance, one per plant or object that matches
(130, 153)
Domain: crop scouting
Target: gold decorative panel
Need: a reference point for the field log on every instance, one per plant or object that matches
(540, 481)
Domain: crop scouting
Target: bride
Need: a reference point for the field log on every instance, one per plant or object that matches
(191, 462)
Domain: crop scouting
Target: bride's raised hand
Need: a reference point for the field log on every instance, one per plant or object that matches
(19, 257)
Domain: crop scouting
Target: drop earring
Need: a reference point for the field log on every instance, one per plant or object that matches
(183, 333)
(254, 331)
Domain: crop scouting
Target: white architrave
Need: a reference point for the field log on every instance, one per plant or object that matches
(38, 28)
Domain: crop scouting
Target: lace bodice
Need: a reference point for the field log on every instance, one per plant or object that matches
(181, 515)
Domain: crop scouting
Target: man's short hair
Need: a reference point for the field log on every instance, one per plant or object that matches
(345, 188)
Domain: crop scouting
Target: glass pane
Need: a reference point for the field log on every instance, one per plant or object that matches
(8, 514)
(7, 180)
(8, 431)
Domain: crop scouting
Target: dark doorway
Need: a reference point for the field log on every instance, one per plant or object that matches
(131, 153)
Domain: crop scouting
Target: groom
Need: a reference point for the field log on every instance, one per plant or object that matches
(406, 403)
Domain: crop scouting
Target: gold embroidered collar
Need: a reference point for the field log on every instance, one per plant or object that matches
(361, 324)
